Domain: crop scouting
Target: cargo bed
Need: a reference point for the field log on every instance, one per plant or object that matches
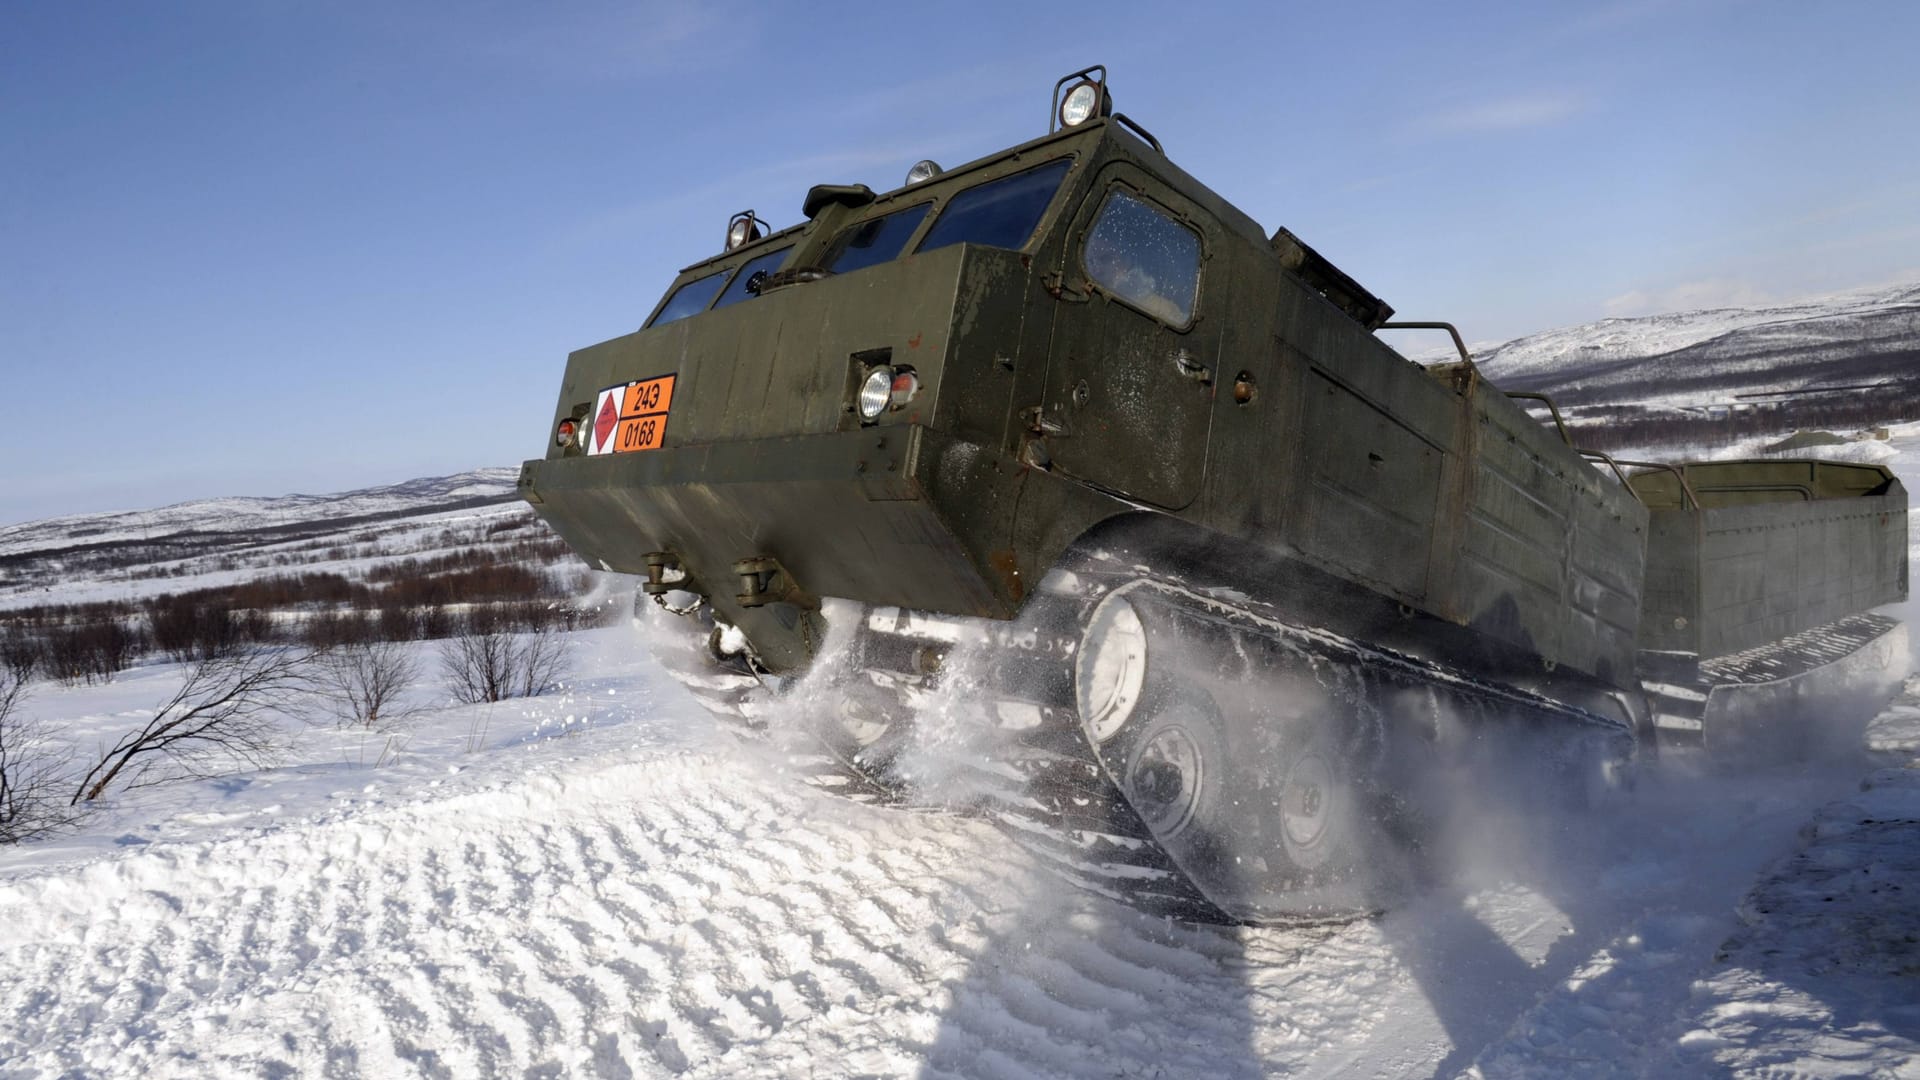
(1757, 575)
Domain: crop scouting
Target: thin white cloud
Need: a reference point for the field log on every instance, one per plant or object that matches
(1520, 113)
(1688, 296)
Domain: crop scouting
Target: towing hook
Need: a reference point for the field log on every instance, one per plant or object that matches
(664, 574)
(764, 581)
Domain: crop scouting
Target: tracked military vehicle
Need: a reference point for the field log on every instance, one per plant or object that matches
(1229, 578)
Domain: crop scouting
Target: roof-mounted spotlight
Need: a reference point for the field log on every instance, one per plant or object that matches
(1085, 99)
(923, 171)
(743, 228)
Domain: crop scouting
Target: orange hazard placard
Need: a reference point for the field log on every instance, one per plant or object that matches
(646, 397)
(640, 433)
(632, 416)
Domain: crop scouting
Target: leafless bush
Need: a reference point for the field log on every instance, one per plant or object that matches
(398, 623)
(19, 656)
(485, 662)
(30, 771)
(187, 630)
(330, 629)
(222, 715)
(365, 680)
(91, 652)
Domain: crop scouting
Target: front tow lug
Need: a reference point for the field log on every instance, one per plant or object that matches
(669, 584)
(764, 581)
(664, 574)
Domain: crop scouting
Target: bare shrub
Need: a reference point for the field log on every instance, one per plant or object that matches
(223, 715)
(331, 629)
(31, 772)
(186, 629)
(91, 652)
(486, 662)
(365, 680)
(544, 659)
(398, 623)
(19, 656)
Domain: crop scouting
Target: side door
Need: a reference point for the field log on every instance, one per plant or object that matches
(1128, 400)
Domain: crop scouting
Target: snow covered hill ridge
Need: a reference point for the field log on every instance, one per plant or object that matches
(1859, 338)
(244, 514)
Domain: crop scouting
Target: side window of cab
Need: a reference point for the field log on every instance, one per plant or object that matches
(1142, 255)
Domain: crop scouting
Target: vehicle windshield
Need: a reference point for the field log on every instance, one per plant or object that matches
(1000, 213)
(875, 240)
(690, 299)
(746, 283)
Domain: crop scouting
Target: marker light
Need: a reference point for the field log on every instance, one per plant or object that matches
(876, 393)
(1080, 104)
(566, 433)
(905, 385)
(923, 171)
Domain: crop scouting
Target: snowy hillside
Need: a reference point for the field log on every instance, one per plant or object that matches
(1859, 338)
(130, 555)
(209, 519)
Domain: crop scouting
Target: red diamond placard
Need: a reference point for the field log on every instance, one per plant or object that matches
(603, 424)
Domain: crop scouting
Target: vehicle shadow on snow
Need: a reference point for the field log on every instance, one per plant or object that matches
(1565, 934)
(1070, 984)
(1544, 921)
(1053, 979)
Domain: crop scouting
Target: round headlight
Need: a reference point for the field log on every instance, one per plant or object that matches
(741, 231)
(876, 393)
(1081, 102)
(1110, 673)
(922, 171)
(568, 430)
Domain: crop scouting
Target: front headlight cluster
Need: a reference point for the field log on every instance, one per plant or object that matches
(885, 387)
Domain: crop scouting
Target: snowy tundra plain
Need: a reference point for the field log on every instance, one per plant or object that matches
(597, 882)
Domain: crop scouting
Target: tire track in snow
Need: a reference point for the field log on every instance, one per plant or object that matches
(650, 914)
(476, 935)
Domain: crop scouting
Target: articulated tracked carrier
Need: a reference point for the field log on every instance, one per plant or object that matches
(1224, 579)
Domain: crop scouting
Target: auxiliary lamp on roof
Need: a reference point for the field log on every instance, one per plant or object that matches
(1080, 97)
(1082, 103)
(743, 229)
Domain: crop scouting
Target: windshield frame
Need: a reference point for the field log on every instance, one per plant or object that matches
(839, 243)
(753, 252)
(947, 200)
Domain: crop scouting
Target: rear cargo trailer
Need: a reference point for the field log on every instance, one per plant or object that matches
(1757, 633)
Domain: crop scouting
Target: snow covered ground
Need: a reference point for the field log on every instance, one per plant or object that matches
(597, 883)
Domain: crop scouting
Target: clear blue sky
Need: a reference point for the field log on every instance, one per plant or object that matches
(255, 247)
